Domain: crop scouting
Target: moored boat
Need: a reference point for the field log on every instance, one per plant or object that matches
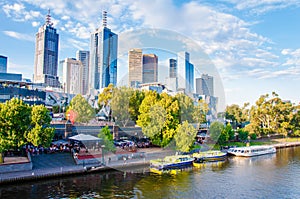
(209, 156)
(170, 163)
(251, 151)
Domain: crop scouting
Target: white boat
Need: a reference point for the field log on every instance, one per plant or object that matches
(251, 151)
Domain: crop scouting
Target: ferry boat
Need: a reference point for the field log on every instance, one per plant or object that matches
(251, 151)
(210, 156)
(170, 164)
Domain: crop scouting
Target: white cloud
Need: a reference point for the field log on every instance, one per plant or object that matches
(35, 23)
(19, 36)
(18, 12)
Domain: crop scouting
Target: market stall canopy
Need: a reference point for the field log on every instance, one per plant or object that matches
(88, 140)
(84, 137)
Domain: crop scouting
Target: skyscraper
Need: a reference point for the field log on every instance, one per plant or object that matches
(135, 74)
(172, 80)
(205, 85)
(72, 76)
(46, 54)
(173, 68)
(84, 57)
(150, 67)
(185, 73)
(103, 57)
(3, 64)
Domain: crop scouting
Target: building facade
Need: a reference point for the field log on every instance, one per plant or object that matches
(150, 68)
(173, 68)
(84, 57)
(103, 57)
(135, 67)
(3, 64)
(185, 72)
(205, 85)
(72, 76)
(46, 54)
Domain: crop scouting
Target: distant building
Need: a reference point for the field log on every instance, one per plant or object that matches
(185, 72)
(103, 57)
(46, 54)
(84, 57)
(205, 85)
(173, 68)
(135, 67)
(150, 68)
(172, 80)
(10, 77)
(72, 76)
(3, 64)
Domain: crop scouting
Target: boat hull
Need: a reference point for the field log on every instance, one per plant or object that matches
(251, 151)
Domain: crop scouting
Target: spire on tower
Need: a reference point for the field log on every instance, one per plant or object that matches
(48, 19)
(104, 18)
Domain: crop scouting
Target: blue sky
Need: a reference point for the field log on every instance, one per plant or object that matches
(254, 44)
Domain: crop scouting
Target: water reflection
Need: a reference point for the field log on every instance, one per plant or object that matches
(268, 176)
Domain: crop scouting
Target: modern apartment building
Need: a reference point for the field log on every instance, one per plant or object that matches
(72, 70)
(84, 57)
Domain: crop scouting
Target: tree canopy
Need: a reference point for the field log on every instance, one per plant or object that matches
(80, 109)
(185, 136)
(21, 124)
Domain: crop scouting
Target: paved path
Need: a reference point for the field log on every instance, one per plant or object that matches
(59, 164)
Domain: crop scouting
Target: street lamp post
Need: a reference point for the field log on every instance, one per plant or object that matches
(102, 151)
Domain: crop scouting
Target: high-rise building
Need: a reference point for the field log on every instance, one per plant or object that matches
(135, 61)
(84, 57)
(150, 67)
(185, 72)
(46, 54)
(205, 85)
(72, 75)
(173, 68)
(3, 64)
(103, 57)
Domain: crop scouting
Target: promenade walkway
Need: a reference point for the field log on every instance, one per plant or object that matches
(59, 164)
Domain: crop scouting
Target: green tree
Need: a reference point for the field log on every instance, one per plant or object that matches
(120, 105)
(135, 102)
(40, 133)
(186, 108)
(107, 139)
(271, 115)
(200, 112)
(159, 117)
(14, 124)
(81, 108)
(185, 136)
(237, 115)
(223, 138)
(106, 95)
(228, 129)
(243, 135)
(215, 130)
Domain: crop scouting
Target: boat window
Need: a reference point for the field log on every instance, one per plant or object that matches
(242, 151)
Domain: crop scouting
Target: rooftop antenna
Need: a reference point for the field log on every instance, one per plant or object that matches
(104, 19)
(48, 19)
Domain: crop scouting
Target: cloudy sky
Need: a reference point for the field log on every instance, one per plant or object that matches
(254, 44)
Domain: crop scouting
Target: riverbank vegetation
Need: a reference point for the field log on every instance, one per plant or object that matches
(21, 124)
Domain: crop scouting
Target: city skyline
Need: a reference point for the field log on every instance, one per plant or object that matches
(253, 45)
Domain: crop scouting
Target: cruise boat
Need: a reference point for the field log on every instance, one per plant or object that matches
(251, 151)
(170, 163)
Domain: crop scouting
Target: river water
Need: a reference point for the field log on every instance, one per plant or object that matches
(268, 176)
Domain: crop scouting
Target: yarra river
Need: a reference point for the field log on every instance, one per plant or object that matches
(268, 176)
